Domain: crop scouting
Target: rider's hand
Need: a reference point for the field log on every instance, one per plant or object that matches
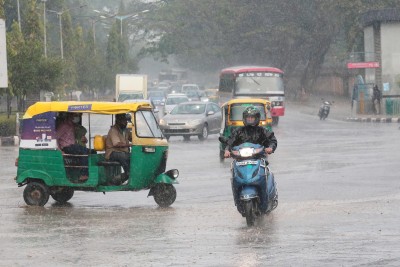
(268, 150)
(227, 154)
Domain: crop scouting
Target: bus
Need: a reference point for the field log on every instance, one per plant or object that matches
(255, 82)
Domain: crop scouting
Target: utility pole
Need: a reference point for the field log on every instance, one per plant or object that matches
(44, 23)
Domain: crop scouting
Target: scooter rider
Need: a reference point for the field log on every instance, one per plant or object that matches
(252, 133)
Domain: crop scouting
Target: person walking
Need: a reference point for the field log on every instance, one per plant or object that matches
(376, 100)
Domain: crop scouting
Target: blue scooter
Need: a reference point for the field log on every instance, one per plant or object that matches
(253, 185)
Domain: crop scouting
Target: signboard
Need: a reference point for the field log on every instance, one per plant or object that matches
(363, 65)
(39, 132)
(3, 55)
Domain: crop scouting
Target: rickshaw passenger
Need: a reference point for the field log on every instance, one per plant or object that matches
(67, 142)
(117, 144)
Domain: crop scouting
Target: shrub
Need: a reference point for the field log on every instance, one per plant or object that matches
(7, 126)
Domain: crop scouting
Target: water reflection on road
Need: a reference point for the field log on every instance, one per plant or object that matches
(338, 188)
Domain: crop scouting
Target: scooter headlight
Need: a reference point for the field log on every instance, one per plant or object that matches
(246, 152)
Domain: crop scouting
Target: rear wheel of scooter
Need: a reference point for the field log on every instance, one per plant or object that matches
(63, 195)
(36, 194)
(164, 195)
(249, 213)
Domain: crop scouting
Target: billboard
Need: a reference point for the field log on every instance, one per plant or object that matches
(3, 55)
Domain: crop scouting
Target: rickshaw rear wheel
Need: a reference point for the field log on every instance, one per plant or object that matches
(36, 194)
(164, 195)
(62, 195)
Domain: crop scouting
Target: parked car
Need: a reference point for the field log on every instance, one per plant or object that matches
(192, 118)
(173, 100)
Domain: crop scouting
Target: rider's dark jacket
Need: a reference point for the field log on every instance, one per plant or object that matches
(252, 134)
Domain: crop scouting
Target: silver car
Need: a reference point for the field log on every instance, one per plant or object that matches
(192, 118)
(173, 100)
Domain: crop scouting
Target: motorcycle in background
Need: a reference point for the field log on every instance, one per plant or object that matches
(324, 109)
(253, 185)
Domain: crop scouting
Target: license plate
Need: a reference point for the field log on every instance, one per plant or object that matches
(249, 162)
(174, 127)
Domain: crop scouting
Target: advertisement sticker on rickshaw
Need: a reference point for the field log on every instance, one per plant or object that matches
(39, 132)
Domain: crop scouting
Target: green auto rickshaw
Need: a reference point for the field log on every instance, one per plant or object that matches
(232, 116)
(46, 171)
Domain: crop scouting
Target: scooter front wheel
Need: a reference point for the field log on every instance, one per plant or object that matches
(249, 212)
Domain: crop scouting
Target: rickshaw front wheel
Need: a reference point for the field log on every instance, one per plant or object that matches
(36, 194)
(164, 195)
(63, 194)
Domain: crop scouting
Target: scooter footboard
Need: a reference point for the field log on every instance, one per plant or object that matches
(248, 192)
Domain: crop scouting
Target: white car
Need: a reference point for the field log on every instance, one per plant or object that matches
(189, 87)
(173, 100)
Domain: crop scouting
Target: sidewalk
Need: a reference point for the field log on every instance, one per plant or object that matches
(340, 110)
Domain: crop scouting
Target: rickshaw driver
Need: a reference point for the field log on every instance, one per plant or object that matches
(117, 144)
(252, 133)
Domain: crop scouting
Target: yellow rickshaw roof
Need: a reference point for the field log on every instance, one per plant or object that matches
(84, 107)
(246, 100)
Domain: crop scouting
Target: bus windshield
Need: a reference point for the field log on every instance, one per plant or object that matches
(253, 84)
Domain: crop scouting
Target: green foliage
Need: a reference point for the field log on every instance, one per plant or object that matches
(1, 9)
(7, 125)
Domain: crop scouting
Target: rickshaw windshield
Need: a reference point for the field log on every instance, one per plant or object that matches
(236, 112)
(146, 124)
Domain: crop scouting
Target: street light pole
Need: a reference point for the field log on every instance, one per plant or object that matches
(44, 23)
(61, 35)
(19, 16)
(121, 18)
(59, 14)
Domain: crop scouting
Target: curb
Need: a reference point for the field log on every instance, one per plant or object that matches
(377, 120)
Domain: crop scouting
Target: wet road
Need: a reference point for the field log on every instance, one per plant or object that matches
(339, 195)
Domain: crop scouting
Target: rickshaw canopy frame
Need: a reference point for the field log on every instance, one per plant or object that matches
(94, 107)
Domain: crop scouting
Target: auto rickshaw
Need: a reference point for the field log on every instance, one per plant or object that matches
(47, 171)
(232, 116)
(212, 95)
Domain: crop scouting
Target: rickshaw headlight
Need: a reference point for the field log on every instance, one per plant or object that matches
(174, 173)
